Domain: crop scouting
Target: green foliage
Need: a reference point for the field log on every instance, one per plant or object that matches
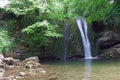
(113, 19)
(44, 28)
(93, 10)
(56, 10)
(29, 17)
(6, 42)
(22, 7)
(39, 33)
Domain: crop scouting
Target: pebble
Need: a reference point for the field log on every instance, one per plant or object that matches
(22, 73)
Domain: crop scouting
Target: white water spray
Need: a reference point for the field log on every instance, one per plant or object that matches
(82, 25)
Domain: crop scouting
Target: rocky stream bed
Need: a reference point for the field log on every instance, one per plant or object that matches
(28, 69)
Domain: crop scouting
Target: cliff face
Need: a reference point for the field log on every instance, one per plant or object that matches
(109, 44)
(107, 40)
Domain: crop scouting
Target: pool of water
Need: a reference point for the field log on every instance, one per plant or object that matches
(85, 69)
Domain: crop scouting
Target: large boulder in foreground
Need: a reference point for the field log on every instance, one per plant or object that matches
(109, 39)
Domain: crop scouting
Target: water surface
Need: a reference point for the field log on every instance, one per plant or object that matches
(85, 69)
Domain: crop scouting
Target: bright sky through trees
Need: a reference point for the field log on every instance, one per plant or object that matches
(3, 3)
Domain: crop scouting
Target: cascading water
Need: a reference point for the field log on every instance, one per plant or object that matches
(65, 41)
(82, 25)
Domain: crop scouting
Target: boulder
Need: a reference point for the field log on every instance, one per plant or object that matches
(31, 65)
(40, 71)
(1, 64)
(9, 67)
(1, 56)
(113, 52)
(2, 72)
(8, 60)
(17, 62)
(108, 40)
(34, 59)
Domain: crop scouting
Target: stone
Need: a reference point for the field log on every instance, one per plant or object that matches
(113, 52)
(108, 40)
(53, 77)
(16, 62)
(32, 64)
(37, 71)
(32, 72)
(8, 60)
(40, 71)
(1, 56)
(22, 73)
(2, 72)
(11, 67)
(34, 59)
(11, 77)
(1, 64)
(19, 77)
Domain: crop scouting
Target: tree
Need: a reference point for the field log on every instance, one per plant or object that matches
(113, 18)
(6, 42)
(32, 20)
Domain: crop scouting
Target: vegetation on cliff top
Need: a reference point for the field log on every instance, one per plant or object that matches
(36, 23)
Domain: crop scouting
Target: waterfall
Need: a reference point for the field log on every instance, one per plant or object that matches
(82, 25)
(65, 41)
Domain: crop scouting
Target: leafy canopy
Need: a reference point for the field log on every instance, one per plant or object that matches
(34, 21)
(6, 42)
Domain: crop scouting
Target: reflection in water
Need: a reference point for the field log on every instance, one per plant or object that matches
(88, 69)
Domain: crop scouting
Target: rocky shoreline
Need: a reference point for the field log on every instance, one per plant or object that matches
(28, 69)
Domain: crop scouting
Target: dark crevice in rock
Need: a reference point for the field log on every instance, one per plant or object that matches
(75, 57)
(108, 46)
